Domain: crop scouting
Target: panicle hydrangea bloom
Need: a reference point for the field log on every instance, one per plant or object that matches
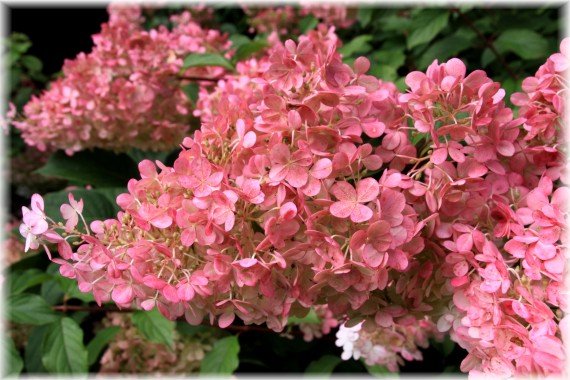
(303, 188)
(130, 352)
(125, 93)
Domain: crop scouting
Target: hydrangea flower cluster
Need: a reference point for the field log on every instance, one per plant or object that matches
(130, 352)
(283, 20)
(127, 92)
(311, 183)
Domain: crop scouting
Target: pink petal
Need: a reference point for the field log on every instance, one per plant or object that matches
(226, 319)
(122, 294)
(344, 191)
(367, 190)
(322, 168)
(342, 209)
(361, 213)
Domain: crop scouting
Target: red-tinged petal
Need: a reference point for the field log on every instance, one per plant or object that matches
(344, 191)
(170, 293)
(185, 292)
(361, 214)
(37, 203)
(249, 139)
(188, 237)
(280, 154)
(215, 179)
(361, 65)
(247, 263)
(464, 242)
(414, 80)
(154, 282)
(476, 170)
(226, 319)
(161, 221)
(342, 209)
(194, 316)
(367, 190)
(506, 148)
(122, 294)
(148, 305)
(372, 257)
(297, 176)
(455, 67)
(322, 168)
(288, 211)
(278, 172)
(198, 280)
(147, 169)
(439, 156)
(64, 249)
(374, 129)
(201, 167)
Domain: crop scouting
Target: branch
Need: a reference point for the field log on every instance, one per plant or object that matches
(111, 309)
(488, 43)
(198, 79)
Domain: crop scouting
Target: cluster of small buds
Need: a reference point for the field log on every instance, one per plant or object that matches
(127, 92)
(387, 347)
(130, 352)
(303, 188)
(327, 322)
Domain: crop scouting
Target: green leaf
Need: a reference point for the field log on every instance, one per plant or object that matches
(426, 26)
(311, 317)
(99, 342)
(63, 350)
(33, 353)
(206, 59)
(69, 287)
(356, 45)
(238, 40)
(308, 23)
(30, 309)
(526, 43)
(191, 90)
(324, 365)
(20, 281)
(445, 347)
(223, 359)
(247, 50)
(98, 168)
(98, 204)
(364, 15)
(443, 49)
(378, 370)
(14, 363)
(32, 63)
(154, 327)
(138, 155)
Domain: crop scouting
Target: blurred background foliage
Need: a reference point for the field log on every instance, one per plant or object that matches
(54, 328)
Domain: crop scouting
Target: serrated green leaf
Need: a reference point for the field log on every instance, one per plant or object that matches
(487, 57)
(63, 350)
(247, 50)
(223, 359)
(99, 342)
(18, 282)
(308, 23)
(356, 45)
(33, 353)
(426, 26)
(325, 365)
(526, 43)
(99, 168)
(30, 309)
(154, 327)
(206, 59)
(14, 363)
